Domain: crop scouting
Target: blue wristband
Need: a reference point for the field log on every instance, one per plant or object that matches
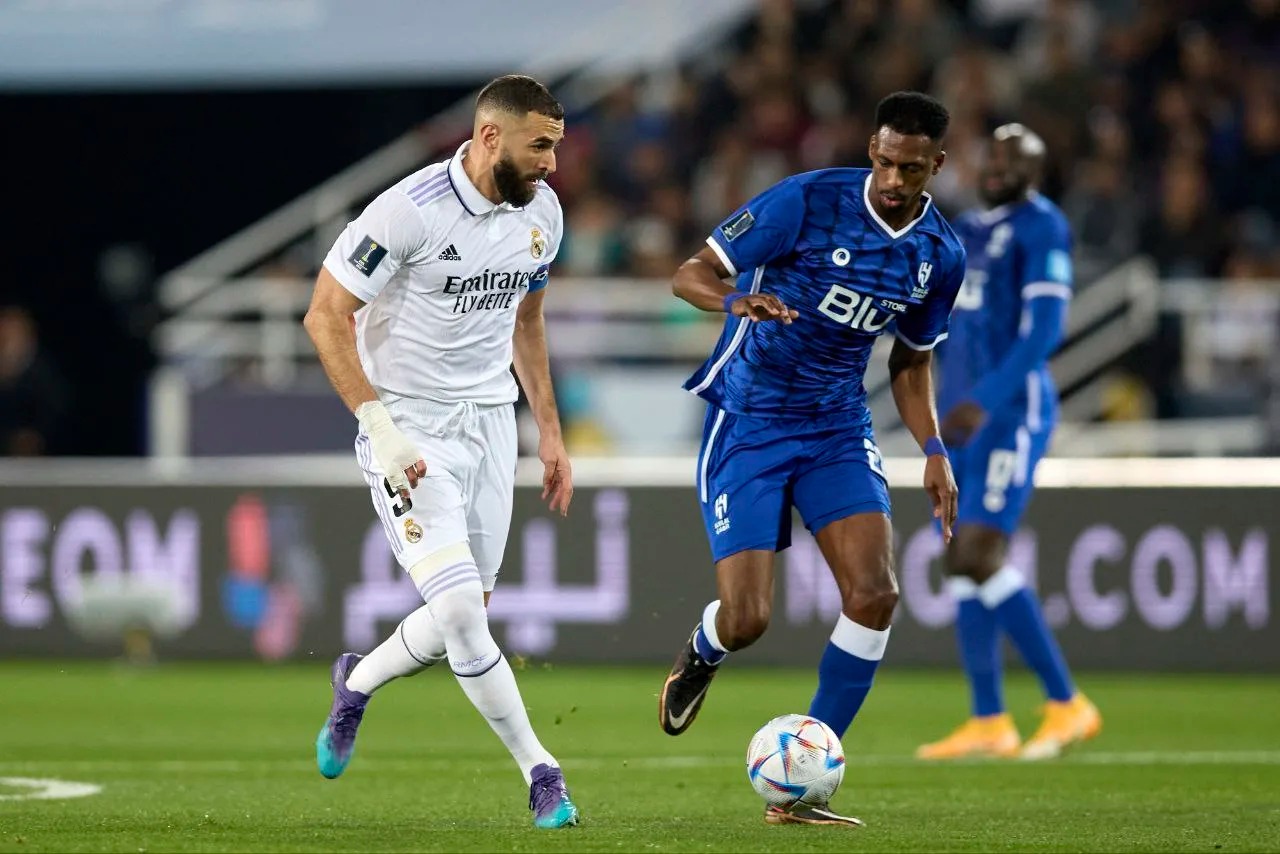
(933, 445)
(731, 298)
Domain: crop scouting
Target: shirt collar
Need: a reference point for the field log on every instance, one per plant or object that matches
(925, 201)
(471, 198)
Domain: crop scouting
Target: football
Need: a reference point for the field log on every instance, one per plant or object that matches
(795, 758)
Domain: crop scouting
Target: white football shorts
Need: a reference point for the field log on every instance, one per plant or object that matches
(470, 452)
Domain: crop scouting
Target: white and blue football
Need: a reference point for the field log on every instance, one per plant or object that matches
(795, 758)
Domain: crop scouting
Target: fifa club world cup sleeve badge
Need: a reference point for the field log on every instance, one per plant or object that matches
(368, 256)
(537, 243)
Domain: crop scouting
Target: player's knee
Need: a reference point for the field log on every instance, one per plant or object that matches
(450, 585)
(872, 603)
(743, 623)
(971, 560)
(459, 613)
(879, 600)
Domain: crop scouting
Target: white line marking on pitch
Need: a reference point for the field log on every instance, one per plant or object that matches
(46, 790)
(236, 766)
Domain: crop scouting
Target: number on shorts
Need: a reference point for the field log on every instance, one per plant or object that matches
(1001, 466)
(406, 503)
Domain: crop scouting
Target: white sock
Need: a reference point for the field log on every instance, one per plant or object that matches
(709, 626)
(495, 695)
(415, 645)
(1004, 583)
(457, 604)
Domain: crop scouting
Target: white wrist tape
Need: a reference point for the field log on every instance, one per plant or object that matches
(391, 449)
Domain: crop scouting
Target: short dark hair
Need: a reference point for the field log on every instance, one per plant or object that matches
(519, 94)
(913, 114)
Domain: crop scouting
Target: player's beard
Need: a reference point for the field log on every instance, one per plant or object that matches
(1008, 191)
(512, 186)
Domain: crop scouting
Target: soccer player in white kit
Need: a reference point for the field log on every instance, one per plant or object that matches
(417, 313)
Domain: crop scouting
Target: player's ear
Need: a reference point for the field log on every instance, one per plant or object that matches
(489, 135)
(938, 160)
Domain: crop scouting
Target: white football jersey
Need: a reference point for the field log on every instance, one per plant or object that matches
(441, 270)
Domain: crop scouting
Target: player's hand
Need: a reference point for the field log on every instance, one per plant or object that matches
(394, 453)
(959, 425)
(940, 483)
(557, 475)
(758, 307)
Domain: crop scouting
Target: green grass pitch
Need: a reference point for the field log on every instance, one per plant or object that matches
(219, 757)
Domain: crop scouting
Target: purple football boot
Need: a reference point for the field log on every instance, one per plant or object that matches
(337, 739)
(549, 799)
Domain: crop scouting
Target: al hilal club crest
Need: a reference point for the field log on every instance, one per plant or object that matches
(922, 281)
(537, 243)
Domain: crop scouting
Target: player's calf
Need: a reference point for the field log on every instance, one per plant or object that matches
(733, 622)
(740, 622)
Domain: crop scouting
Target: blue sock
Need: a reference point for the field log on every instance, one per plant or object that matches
(705, 642)
(978, 638)
(844, 675)
(1017, 611)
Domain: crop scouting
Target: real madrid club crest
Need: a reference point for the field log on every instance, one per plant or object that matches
(537, 243)
(412, 530)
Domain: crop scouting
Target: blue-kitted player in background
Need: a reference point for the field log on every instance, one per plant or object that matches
(823, 262)
(999, 406)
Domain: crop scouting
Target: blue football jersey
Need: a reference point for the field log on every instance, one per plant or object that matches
(1016, 252)
(814, 241)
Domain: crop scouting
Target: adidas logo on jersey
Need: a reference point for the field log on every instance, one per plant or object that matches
(450, 254)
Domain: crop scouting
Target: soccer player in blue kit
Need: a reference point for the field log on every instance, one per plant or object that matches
(824, 262)
(1000, 406)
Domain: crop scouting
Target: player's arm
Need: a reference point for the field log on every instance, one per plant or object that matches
(330, 323)
(911, 378)
(331, 326)
(764, 229)
(357, 268)
(533, 369)
(1047, 316)
(1045, 283)
(700, 281)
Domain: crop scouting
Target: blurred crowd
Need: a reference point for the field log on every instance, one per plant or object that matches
(1162, 119)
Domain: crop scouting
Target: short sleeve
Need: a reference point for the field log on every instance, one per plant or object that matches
(1044, 252)
(374, 245)
(924, 325)
(763, 229)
